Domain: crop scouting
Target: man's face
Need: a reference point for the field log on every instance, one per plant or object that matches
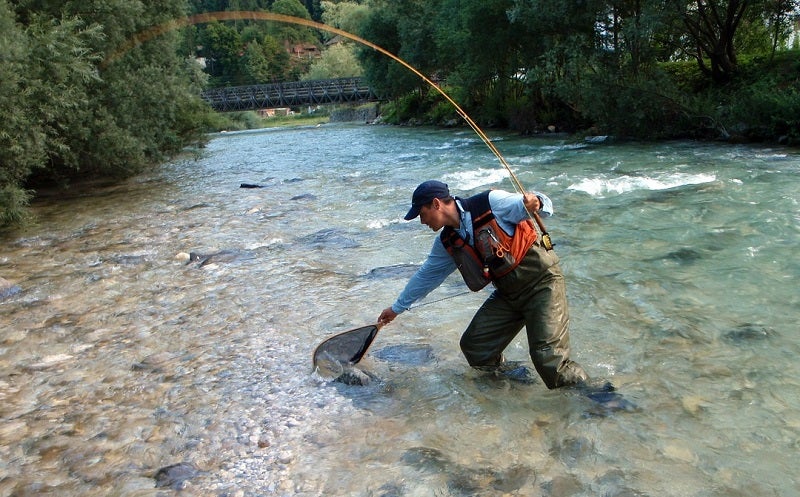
(432, 215)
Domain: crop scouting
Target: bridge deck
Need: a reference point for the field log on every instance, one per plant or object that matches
(295, 94)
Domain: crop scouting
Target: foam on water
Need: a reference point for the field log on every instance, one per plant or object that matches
(602, 185)
(474, 179)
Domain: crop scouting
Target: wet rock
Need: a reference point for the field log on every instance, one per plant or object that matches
(508, 371)
(224, 256)
(391, 490)
(571, 450)
(414, 355)
(466, 480)
(329, 238)
(426, 459)
(684, 256)
(749, 332)
(305, 196)
(606, 399)
(517, 372)
(154, 363)
(176, 476)
(513, 478)
(7, 289)
(354, 377)
(563, 485)
(202, 205)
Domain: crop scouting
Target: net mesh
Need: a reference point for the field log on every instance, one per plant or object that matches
(344, 349)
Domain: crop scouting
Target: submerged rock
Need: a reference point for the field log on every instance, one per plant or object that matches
(749, 332)
(176, 475)
(396, 271)
(304, 196)
(467, 480)
(354, 377)
(606, 399)
(329, 237)
(223, 256)
(414, 355)
(7, 289)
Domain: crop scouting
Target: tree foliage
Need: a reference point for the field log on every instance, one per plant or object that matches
(67, 113)
(339, 61)
(607, 65)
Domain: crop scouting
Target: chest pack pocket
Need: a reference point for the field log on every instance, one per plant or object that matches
(469, 264)
(497, 255)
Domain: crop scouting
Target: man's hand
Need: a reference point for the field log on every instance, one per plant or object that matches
(532, 202)
(387, 316)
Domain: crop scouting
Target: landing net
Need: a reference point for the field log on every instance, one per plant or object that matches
(344, 349)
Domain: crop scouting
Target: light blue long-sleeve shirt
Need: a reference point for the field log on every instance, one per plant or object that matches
(508, 209)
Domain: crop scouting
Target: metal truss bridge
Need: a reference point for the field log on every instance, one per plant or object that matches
(294, 94)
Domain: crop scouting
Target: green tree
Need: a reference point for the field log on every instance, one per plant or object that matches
(70, 112)
(481, 53)
(345, 15)
(267, 61)
(712, 26)
(22, 141)
(338, 61)
(292, 33)
(404, 29)
(223, 50)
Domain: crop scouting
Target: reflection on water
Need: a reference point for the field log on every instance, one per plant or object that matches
(160, 332)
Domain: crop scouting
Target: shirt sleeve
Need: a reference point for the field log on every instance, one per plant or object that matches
(436, 268)
(509, 209)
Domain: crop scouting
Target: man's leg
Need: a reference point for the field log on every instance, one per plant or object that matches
(547, 323)
(494, 326)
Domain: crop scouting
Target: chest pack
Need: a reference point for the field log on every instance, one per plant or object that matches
(494, 252)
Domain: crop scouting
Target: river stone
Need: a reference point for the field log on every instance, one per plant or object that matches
(329, 237)
(354, 377)
(7, 289)
(224, 256)
(413, 355)
(304, 196)
(749, 332)
(175, 476)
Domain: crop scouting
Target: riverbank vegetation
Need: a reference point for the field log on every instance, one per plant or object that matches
(82, 97)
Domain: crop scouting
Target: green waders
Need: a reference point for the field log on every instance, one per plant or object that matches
(534, 296)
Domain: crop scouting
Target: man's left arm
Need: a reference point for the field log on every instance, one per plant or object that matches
(513, 207)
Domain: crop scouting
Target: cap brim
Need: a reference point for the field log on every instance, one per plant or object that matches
(412, 213)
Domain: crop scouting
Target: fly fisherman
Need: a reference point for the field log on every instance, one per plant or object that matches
(489, 237)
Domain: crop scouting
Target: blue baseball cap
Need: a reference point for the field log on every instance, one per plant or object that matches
(424, 194)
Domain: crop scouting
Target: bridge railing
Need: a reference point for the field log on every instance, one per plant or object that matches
(293, 94)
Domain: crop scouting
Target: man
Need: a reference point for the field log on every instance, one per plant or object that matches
(489, 237)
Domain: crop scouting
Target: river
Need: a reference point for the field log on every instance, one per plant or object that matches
(119, 357)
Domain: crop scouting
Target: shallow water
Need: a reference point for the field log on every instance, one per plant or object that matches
(118, 357)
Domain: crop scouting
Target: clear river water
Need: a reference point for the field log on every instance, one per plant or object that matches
(128, 370)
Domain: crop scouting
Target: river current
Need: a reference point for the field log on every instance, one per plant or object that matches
(120, 357)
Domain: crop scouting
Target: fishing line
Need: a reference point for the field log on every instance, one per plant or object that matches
(423, 304)
(241, 15)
